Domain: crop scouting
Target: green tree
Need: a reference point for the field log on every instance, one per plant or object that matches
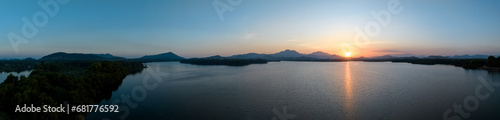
(75, 82)
(491, 61)
(11, 79)
(474, 64)
(497, 62)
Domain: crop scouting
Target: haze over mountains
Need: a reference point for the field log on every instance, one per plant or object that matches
(286, 55)
(283, 55)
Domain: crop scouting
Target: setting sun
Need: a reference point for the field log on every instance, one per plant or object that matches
(347, 54)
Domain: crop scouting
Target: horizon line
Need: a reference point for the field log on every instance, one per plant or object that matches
(138, 56)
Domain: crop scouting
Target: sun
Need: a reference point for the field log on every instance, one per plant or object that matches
(347, 54)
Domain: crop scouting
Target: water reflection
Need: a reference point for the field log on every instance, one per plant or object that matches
(349, 100)
(3, 75)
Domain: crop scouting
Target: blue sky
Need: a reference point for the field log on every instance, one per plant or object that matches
(192, 28)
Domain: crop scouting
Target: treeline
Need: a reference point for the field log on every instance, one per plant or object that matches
(17, 65)
(229, 62)
(52, 84)
(464, 63)
(493, 62)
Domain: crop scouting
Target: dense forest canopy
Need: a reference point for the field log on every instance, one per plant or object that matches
(72, 82)
(17, 65)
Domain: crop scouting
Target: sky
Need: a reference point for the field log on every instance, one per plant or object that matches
(195, 28)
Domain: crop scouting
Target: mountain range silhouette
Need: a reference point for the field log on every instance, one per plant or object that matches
(282, 55)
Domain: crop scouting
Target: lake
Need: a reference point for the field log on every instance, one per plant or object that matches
(302, 91)
(3, 75)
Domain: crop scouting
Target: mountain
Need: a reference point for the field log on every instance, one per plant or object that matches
(437, 57)
(404, 55)
(283, 55)
(71, 56)
(288, 54)
(470, 56)
(322, 55)
(109, 56)
(162, 57)
(248, 56)
(215, 57)
(382, 57)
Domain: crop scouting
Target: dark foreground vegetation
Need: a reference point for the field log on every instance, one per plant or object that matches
(54, 83)
(489, 64)
(464, 63)
(493, 62)
(229, 62)
(17, 65)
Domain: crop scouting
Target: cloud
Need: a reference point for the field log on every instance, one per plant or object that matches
(249, 36)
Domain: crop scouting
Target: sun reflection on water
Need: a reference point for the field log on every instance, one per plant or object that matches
(349, 100)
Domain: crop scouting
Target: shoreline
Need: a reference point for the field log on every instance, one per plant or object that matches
(494, 69)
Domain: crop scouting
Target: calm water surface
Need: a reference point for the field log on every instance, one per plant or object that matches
(3, 75)
(305, 90)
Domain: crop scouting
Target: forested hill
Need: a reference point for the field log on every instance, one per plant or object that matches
(55, 83)
(160, 57)
(17, 65)
(61, 56)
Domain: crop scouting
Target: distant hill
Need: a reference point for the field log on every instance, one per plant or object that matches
(222, 61)
(411, 56)
(162, 57)
(71, 56)
(282, 55)
(323, 55)
(248, 56)
(287, 55)
(470, 56)
(382, 57)
(437, 57)
(406, 55)
(319, 55)
(215, 57)
(109, 56)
